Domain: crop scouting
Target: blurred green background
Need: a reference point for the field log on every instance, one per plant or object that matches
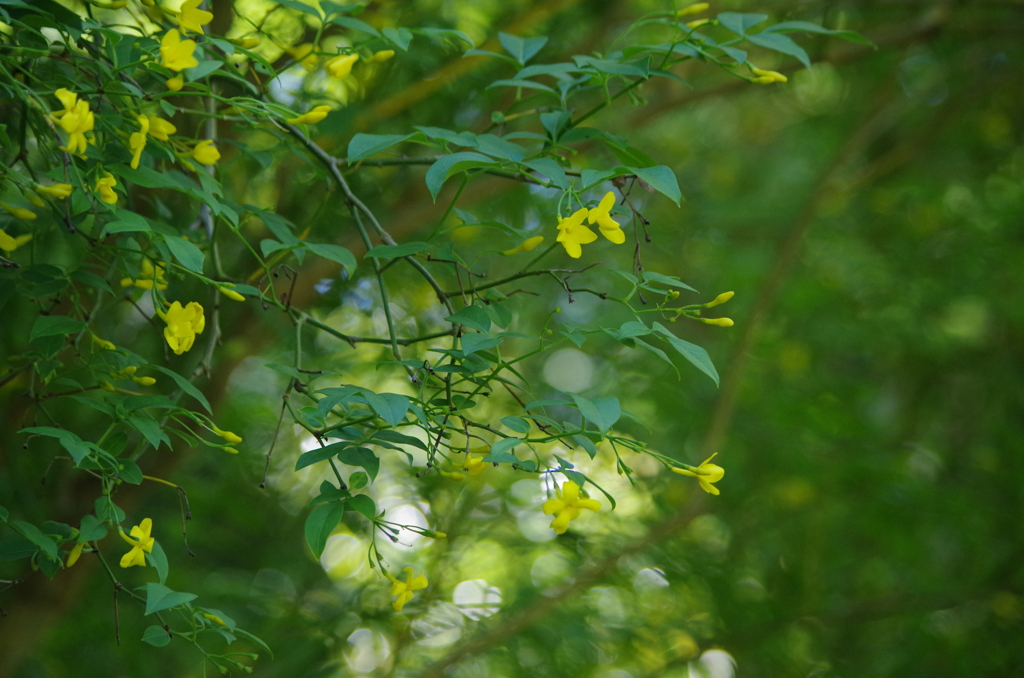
(868, 216)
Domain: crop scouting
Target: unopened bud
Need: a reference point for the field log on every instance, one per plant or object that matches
(698, 23)
(434, 534)
(107, 386)
(720, 299)
(720, 322)
(230, 293)
(144, 381)
(76, 552)
(672, 295)
(695, 8)
(34, 199)
(452, 475)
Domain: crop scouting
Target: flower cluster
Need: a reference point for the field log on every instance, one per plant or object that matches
(183, 324)
(76, 119)
(573, 234)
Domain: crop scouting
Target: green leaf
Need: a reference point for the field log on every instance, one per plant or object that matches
(127, 222)
(661, 179)
(396, 251)
(517, 424)
(551, 169)
(156, 636)
(364, 145)
(473, 317)
(739, 23)
(695, 354)
(91, 529)
(453, 164)
(129, 471)
(398, 439)
(358, 480)
(203, 69)
(781, 43)
(320, 523)
(632, 328)
(807, 27)
(501, 451)
(473, 342)
(159, 597)
(361, 456)
(499, 148)
(671, 281)
(364, 505)
(591, 177)
(521, 49)
(355, 24)
(300, 6)
(335, 253)
(158, 560)
(587, 444)
(658, 352)
(54, 325)
(145, 177)
(190, 256)
(150, 430)
(320, 454)
(74, 445)
(528, 84)
(92, 280)
(17, 549)
(401, 37)
(602, 412)
(186, 386)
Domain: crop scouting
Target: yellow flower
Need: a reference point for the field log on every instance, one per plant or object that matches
(103, 343)
(572, 233)
(176, 83)
(474, 465)
(230, 293)
(404, 589)
(227, 435)
(381, 56)
(19, 212)
(525, 246)
(310, 118)
(183, 324)
(567, 506)
(720, 299)
(160, 128)
(148, 274)
(205, 152)
(304, 55)
(720, 322)
(192, 18)
(9, 244)
(767, 77)
(140, 544)
(76, 552)
(105, 186)
(68, 98)
(175, 53)
(59, 191)
(601, 215)
(706, 474)
(341, 65)
(695, 8)
(76, 123)
(137, 141)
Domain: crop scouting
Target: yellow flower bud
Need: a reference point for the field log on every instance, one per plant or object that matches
(230, 293)
(525, 246)
(720, 299)
(107, 386)
(381, 56)
(76, 552)
(103, 343)
(341, 65)
(230, 450)
(129, 371)
(720, 322)
(452, 475)
(205, 152)
(228, 436)
(698, 23)
(311, 118)
(249, 43)
(59, 191)
(19, 212)
(695, 8)
(767, 77)
(176, 83)
(34, 199)
(144, 381)
(215, 619)
(672, 295)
